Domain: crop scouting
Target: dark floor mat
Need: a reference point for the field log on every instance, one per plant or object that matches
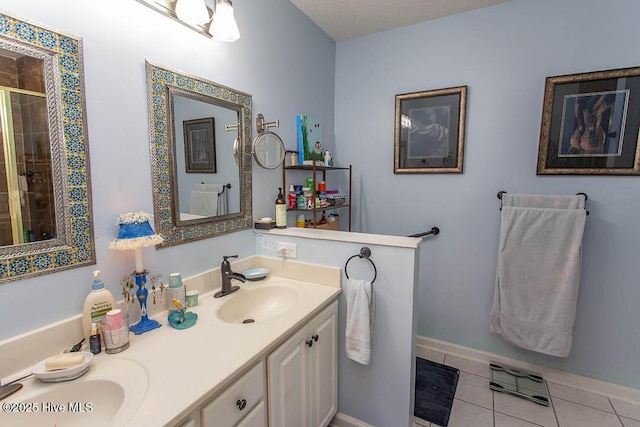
(435, 389)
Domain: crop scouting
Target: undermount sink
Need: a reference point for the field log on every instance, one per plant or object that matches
(107, 395)
(255, 305)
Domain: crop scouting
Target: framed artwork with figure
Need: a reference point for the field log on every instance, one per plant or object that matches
(429, 131)
(199, 145)
(590, 124)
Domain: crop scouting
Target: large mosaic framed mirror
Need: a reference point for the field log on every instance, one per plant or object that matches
(45, 192)
(190, 204)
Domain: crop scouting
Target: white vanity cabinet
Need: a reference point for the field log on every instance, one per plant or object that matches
(303, 374)
(241, 404)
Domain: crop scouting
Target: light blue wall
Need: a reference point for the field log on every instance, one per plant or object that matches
(283, 60)
(503, 54)
(381, 393)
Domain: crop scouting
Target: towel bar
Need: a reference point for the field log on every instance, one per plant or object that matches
(227, 186)
(365, 253)
(500, 193)
(434, 231)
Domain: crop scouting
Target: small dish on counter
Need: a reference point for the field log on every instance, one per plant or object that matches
(61, 375)
(256, 273)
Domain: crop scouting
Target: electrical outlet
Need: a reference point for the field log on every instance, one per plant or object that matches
(288, 250)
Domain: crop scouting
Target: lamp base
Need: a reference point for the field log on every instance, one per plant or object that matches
(145, 325)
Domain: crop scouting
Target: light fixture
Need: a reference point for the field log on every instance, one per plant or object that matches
(193, 12)
(136, 233)
(224, 26)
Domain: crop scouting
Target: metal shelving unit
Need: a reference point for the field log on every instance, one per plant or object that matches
(314, 171)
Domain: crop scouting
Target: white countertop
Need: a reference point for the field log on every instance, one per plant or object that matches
(187, 367)
(344, 236)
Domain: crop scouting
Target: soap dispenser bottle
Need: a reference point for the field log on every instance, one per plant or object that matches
(96, 305)
(281, 210)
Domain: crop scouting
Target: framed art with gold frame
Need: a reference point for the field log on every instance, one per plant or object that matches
(590, 124)
(429, 131)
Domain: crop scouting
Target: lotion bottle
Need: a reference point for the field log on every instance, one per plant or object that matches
(96, 305)
(281, 210)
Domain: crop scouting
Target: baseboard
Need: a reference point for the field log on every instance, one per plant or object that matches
(550, 374)
(342, 420)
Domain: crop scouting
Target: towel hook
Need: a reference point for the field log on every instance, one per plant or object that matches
(365, 253)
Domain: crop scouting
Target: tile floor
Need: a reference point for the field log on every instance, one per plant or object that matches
(476, 405)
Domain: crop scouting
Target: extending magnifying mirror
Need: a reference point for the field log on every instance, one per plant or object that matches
(268, 148)
(236, 143)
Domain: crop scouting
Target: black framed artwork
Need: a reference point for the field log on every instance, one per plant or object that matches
(429, 131)
(199, 145)
(590, 124)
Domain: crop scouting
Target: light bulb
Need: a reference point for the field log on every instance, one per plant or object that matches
(193, 12)
(223, 26)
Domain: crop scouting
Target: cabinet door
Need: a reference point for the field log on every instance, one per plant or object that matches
(323, 367)
(287, 370)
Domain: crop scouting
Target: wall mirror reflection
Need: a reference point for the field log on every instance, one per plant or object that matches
(45, 207)
(191, 204)
(207, 178)
(27, 211)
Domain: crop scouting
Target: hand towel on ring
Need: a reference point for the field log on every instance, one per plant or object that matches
(360, 317)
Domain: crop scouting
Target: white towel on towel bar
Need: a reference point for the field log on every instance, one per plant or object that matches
(360, 316)
(222, 203)
(537, 278)
(203, 203)
(209, 187)
(543, 201)
(221, 192)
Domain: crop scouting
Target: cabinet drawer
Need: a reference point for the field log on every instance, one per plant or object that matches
(256, 418)
(237, 401)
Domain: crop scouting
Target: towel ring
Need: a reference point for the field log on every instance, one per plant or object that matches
(365, 253)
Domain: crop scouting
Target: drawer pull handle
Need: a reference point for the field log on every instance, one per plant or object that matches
(315, 338)
(241, 404)
(309, 343)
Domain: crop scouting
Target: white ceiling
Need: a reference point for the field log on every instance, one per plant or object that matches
(348, 19)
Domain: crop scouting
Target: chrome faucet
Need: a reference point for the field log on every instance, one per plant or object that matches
(227, 275)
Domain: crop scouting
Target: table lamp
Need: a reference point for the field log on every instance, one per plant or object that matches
(136, 233)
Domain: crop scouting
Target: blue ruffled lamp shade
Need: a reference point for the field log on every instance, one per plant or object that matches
(135, 233)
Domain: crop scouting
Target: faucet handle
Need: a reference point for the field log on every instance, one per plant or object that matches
(225, 267)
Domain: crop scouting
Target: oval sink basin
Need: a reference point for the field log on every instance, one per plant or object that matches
(107, 395)
(255, 305)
